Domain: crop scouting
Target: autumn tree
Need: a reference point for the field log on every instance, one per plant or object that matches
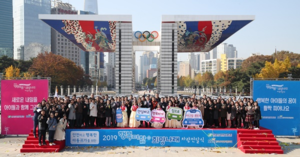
(12, 72)
(253, 59)
(273, 70)
(282, 55)
(198, 79)
(61, 70)
(207, 79)
(188, 82)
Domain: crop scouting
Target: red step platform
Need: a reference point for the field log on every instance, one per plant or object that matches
(258, 141)
(32, 145)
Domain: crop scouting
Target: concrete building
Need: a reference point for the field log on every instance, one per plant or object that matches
(60, 45)
(185, 69)
(110, 70)
(212, 65)
(136, 74)
(233, 63)
(31, 36)
(150, 73)
(224, 62)
(6, 28)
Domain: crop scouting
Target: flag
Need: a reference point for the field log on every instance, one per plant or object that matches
(56, 91)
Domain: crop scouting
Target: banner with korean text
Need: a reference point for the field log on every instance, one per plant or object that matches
(279, 105)
(156, 138)
(18, 99)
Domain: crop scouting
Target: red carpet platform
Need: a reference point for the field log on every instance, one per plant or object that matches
(32, 145)
(258, 141)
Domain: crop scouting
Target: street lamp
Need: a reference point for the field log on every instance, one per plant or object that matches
(195, 89)
(200, 90)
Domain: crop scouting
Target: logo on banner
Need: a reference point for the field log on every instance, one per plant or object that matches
(143, 114)
(25, 87)
(193, 118)
(158, 116)
(119, 116)
(277, 88)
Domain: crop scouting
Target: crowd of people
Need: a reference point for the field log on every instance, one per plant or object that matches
(54, 115)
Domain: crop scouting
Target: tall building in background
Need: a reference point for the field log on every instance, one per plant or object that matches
(6, 28)
(60, 45)
(31, 35)
(91, 5)
(136, 74)
(185, 69)
(146, 60)
(110, 70)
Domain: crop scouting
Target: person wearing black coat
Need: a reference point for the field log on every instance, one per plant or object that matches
(128, 104)
(233, 114)
(42, 127)
(100, 113)
(86, 113)
(257, 114)
(114, 107)
(216, 113)
(243, 116)
(108, 112)
(223, 113)
(146, 104)
(37, 111)
(210, 114)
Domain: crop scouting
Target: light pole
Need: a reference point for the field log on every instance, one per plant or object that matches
(200, 90)
(195, 89)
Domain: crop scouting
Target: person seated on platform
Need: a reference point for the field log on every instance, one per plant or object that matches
(93, 112)
(52, 123)
(42, 127)
(108, 112)
(125, 117)
(61, 128)
(257, 115)
(157, 124)
(37, 111)
(133, 123)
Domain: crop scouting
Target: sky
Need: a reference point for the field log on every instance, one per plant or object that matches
(276, 24)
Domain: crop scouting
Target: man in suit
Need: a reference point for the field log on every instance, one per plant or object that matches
(114, 107)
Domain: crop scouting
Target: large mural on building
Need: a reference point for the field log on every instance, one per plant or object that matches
(202, 36)
(92, 36)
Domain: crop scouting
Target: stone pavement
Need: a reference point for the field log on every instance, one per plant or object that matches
(10, 146)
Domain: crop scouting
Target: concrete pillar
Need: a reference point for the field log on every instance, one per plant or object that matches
(69, 90)
(61, 90)
(97, 90)
(79, 89)
(92, 89)
(74, 89)
(235, 91)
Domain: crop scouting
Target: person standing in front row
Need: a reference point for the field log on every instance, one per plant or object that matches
(125, 117)
(108, 113)
(37, 111)
(61, 128)
(72, 114)
(52, 123)
(93, 112)
(42, 127)
(133, 123)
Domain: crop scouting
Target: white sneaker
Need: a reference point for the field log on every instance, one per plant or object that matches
(50, 144)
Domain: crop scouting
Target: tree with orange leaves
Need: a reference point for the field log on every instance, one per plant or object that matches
(61, 70)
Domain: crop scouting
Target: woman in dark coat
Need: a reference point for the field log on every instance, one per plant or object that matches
(223, 113)
(100, 113)
(108, 113)
(257, 115)
(210, 114)
(233, 114)
(216, 113)
(228, 114)
(206, 110)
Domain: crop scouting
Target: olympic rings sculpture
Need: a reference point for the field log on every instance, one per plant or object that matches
(146, 35)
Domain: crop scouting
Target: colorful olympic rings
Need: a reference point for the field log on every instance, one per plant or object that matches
(146, 35)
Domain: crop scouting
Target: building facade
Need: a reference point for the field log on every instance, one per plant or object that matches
(212, 65)
(6, 28)
(31, 36)
(185, 69)
(234, 63)
(60, 45)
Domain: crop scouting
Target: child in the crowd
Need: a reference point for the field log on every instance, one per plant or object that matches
(249, 115)
(108, 113)
(157, 124)
(42, 127)
(257, 115)
(52, 123)
(61, 128)
(125, 117)
(133, 123)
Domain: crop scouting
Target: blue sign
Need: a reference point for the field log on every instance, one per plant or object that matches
(142, 137)
(143, 114)
(119, 116)
(193, 118)
(278, 104)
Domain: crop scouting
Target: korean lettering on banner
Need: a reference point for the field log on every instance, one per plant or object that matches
(174, 113)
(143, 114)
(119, 116)
(19, 98)
(84, 137)
(158, 116)
(278, 105)
(125, 137)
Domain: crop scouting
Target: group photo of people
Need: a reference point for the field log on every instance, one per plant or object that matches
(54, 115)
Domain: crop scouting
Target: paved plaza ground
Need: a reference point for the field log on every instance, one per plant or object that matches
(10, 146)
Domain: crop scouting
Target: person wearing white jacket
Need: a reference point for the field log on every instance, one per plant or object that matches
(93, 112)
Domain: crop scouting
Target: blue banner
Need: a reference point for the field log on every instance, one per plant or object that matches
(119, 116)
(153, 137)
(278, 101)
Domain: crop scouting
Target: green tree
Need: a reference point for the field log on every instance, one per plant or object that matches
(188, 82)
